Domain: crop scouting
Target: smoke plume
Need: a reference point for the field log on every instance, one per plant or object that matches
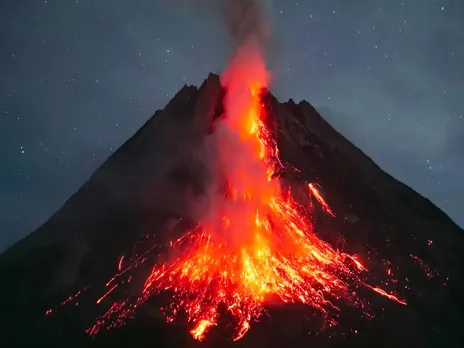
(247, 20)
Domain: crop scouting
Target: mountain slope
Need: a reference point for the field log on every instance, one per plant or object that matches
(144, 188)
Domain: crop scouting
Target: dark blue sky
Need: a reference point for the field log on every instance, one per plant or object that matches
(80, 77)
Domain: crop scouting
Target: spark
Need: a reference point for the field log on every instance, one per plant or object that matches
(120, 263)
(107, 293)
(387, 295)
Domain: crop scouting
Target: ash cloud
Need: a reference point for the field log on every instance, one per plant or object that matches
(244, 20)
(247, 20)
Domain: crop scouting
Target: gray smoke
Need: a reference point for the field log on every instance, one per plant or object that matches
(247, 20)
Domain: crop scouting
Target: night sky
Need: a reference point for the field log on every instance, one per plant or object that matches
(80, 77)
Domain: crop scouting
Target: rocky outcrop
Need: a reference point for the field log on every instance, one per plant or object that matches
(144, 187)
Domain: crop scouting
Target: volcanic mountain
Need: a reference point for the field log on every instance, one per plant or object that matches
(53, 281)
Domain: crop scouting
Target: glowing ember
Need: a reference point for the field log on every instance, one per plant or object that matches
(257, 245)
(313, 190)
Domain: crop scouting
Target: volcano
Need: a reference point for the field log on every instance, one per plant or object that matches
(380, 265)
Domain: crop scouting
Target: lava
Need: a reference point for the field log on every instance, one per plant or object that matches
(257, 244)
(314, 191)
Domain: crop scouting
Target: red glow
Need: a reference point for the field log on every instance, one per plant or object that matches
(257, 243)
(273, 250)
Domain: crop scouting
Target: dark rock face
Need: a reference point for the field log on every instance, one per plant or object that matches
(145, 186)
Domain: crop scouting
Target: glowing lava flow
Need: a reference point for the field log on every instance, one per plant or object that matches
(257, 244)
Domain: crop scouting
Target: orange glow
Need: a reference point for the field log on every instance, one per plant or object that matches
(258, 244)
(313, 190)
(278, 253)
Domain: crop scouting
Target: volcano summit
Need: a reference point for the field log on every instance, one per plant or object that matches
(230, 218)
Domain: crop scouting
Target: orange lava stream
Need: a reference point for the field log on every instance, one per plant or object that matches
(257, 244)
(260, 245)
(284, 258)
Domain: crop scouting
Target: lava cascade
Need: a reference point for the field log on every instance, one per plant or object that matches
(256, 243)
